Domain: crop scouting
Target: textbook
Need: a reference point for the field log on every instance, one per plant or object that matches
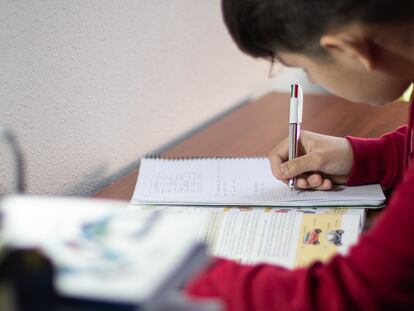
(289, 237)
(236, 182)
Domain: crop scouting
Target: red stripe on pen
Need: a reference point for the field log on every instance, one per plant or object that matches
(296, 90)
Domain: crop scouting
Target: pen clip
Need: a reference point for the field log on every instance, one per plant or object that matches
(300, 102)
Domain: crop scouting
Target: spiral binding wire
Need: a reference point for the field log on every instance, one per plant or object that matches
(160, 157)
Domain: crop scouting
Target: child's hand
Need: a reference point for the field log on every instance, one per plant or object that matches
(324, 160)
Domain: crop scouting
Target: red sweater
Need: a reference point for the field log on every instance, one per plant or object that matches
(378, 272)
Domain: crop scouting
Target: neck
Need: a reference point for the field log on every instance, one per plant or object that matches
(395, 49)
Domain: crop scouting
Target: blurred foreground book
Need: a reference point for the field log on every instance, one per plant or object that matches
(103, 252)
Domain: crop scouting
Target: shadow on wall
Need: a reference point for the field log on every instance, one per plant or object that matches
(88, 182)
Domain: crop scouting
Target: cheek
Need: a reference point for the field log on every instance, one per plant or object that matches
(333, 83)
(310, 78)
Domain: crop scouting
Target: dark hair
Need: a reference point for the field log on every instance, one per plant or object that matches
(261, 28)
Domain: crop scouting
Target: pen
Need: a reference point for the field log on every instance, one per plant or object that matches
(295, 118)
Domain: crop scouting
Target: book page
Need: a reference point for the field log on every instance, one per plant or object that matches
(286, 237)
(235, 181)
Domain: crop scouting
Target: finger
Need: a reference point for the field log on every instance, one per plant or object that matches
(302, 183)
(285, 181)
(326, 185)
(315, 180)
(278, 156)
(275, 162)
(307, 163)
(310, 182)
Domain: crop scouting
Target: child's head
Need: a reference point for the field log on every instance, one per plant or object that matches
(344, 45)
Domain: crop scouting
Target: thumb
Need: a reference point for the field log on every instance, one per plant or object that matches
(303, 164)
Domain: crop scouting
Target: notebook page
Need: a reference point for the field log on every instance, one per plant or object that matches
(234, 181)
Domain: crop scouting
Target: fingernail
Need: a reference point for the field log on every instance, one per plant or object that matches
(283, 170)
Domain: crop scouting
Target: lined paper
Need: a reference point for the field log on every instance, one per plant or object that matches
(235, 181)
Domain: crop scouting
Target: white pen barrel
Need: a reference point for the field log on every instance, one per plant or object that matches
(294, 110)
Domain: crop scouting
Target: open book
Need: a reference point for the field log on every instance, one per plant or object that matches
(289, 237)
(236, 181)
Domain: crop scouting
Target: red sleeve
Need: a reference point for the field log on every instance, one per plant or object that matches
(379, 160)
(377, 274)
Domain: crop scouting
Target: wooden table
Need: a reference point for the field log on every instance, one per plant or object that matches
(256, 128)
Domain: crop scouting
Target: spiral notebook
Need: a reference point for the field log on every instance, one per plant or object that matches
(236, 181)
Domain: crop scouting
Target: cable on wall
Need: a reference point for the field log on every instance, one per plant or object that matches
(10, 139)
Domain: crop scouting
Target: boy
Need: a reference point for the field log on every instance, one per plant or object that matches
(362, 51)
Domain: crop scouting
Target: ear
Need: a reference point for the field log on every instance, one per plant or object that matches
(350, 45)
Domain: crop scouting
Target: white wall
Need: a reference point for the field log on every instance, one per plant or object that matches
(90, 86)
